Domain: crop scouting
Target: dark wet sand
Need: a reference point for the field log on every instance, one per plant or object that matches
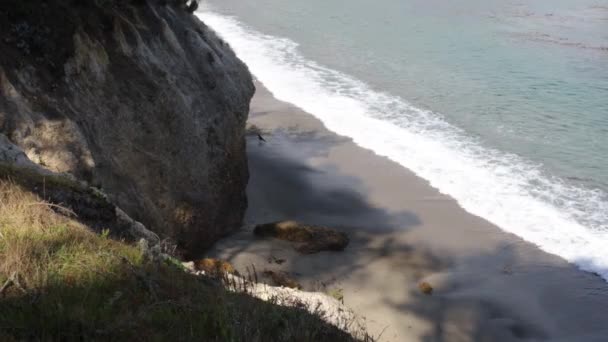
(488, 285)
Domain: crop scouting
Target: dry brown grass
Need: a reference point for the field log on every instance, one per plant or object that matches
(23, 216)
(36, 242)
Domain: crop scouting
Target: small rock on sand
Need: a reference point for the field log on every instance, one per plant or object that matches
(425, 288)
(282, 279)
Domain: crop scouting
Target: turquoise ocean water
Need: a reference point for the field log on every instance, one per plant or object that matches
(501, 104)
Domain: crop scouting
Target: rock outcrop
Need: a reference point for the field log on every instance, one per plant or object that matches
(70, 196)
(138, 98)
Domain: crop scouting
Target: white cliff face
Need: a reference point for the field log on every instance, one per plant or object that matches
(143, 101)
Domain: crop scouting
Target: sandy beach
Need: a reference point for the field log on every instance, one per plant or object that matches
(488, 285)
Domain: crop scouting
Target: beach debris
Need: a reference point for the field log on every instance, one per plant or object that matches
(318, 303)
(309, 239)
(214, 267)
(425, 288)
(337, 293)
(273, 259)
(254, 130)
(282, 279)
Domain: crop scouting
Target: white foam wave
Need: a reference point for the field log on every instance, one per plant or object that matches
(505, 189)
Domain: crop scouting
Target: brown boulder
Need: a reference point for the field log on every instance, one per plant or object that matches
(308, 239)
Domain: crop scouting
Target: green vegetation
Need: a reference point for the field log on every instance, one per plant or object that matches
(88, 204)
(62, 282)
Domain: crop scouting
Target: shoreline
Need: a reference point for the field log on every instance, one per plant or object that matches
(507, 185)
(488, 284)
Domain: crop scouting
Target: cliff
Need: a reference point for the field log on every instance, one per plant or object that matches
(137, 98)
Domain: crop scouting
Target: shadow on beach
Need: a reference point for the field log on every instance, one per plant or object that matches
(487, 285)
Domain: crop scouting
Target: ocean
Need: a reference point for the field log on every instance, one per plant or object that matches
(502, 105)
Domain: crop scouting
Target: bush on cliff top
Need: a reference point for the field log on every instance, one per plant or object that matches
(70, 284)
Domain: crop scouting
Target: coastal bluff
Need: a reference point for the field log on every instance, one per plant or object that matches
(137, 98)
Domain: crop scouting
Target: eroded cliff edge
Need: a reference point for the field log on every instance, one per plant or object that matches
(138, 98)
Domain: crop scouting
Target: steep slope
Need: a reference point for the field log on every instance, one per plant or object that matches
(138, 98)
(61, 282)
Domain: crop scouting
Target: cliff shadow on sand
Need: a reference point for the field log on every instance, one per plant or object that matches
(486, 285)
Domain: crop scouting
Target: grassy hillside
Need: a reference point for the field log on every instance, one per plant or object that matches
(64, 282)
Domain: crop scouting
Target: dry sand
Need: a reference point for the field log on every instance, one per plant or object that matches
(488, 285)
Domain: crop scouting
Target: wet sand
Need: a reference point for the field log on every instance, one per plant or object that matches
(488, 285)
